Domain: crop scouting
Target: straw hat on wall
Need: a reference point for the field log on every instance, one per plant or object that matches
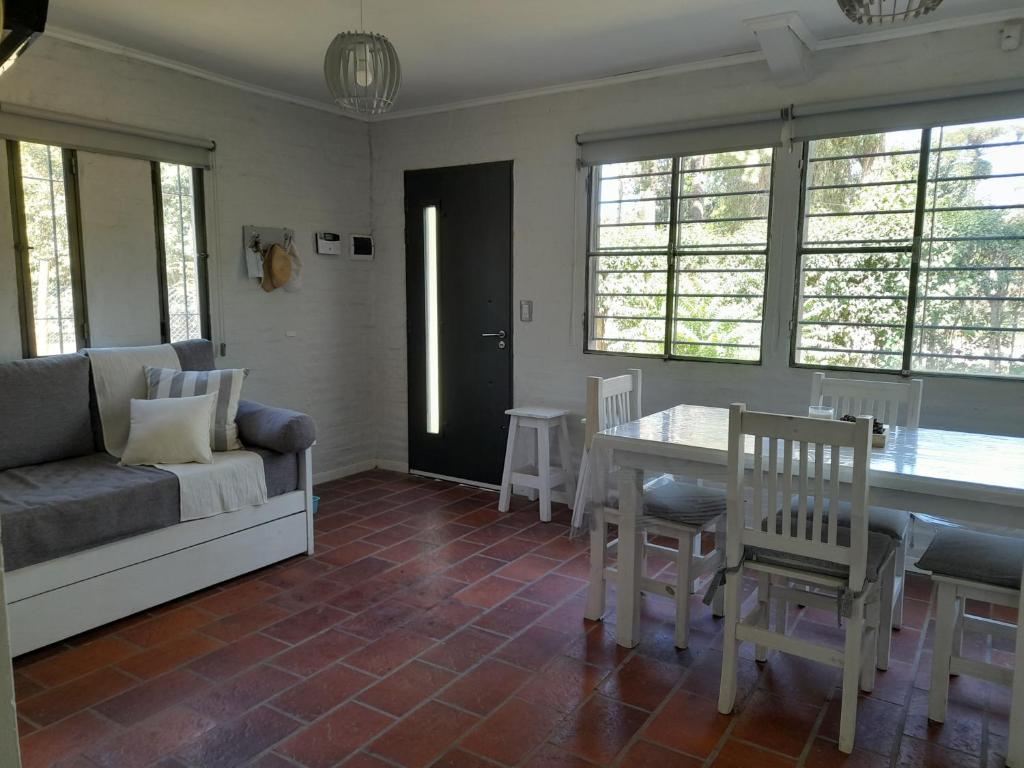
(277, 268)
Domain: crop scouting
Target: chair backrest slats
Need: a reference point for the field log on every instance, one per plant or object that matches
(611, 402)
(819, 490)
(896, 403)
(799, 465)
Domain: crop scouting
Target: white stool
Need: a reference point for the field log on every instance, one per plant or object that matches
(543, 477)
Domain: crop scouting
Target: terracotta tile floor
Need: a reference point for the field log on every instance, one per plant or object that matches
(430, 630)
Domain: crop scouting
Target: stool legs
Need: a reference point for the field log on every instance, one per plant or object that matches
(544, 471)
(506, 474)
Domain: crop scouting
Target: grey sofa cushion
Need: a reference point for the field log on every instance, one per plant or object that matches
(684, 503)
(975, 556)
(892, 522)
(278, 429)
(195, 354)
(281, 470)
(44, 410)
(62, 507)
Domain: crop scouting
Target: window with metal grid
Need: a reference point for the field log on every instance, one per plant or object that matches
(678, 254)
(912, 251)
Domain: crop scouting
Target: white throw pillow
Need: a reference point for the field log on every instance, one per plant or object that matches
(170, 431)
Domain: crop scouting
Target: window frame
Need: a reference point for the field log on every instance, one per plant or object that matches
(670, 251)
(202, 255)
(906, 369)
(23, 270)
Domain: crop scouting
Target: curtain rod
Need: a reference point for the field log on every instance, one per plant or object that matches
(932, 94)
(916, 97)
(689, 125)
(19, 110)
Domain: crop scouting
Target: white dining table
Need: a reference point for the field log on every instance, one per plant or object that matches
(958, 476)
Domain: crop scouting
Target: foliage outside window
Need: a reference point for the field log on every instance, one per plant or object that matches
(912, 251)
(181, 253)
(50, 293)
(677, 257)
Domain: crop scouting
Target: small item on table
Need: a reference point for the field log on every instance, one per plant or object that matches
(879, 431)
(821, 412)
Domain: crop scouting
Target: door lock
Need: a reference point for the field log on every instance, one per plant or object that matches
(498, 335)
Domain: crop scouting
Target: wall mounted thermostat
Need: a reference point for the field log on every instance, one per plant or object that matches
(328, 243)
(362, 247)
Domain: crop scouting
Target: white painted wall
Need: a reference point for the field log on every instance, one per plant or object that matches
(538, 135)
(276, 164)
(119, 235)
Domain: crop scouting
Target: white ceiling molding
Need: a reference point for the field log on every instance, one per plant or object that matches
(753, 56)
(88, 41)
(785, 41)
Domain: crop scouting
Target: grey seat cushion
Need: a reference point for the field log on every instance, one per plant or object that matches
(986, 558)
(62, 507)
(880, 547)
(44, 410)
(684, 503)
(892, 522)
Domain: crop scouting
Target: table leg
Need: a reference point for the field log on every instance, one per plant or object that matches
(628, 587)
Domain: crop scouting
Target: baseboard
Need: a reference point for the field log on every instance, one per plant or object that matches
(362, 466)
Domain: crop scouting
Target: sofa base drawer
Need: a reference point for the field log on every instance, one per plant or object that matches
(59, 613)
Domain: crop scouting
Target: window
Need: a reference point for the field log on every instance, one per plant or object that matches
(183, 258)
(677, 257)
(49, 266)
(85, 234)
(912, 251)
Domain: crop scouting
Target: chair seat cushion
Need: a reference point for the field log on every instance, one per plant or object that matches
(880, 547)
(684, 503)
(894, 523)
(986, 558)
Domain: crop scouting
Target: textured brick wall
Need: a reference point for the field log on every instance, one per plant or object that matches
(276, 164)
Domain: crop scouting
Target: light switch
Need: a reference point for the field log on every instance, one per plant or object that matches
(526, 311)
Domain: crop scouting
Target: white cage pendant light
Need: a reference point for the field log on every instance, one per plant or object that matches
(362, 71)
(886, 11)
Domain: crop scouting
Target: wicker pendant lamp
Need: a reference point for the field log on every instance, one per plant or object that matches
(886, 11)
(362, 71)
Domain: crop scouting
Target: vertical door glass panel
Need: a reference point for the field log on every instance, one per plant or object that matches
(180, 254)
(433, 332)
(49, 260)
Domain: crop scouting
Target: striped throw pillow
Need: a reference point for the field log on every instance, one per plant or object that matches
(226, 384)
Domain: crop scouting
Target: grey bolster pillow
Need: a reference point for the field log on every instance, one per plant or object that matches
(277, 429)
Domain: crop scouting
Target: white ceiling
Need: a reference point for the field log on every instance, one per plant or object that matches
(454, 50)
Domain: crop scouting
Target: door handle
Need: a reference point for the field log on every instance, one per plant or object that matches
(498, 335)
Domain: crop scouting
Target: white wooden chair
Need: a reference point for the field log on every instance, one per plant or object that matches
(671, 508)
(969, 565)
(893, 403)
(807, 557)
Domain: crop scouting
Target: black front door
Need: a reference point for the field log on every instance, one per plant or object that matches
(458, 256)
